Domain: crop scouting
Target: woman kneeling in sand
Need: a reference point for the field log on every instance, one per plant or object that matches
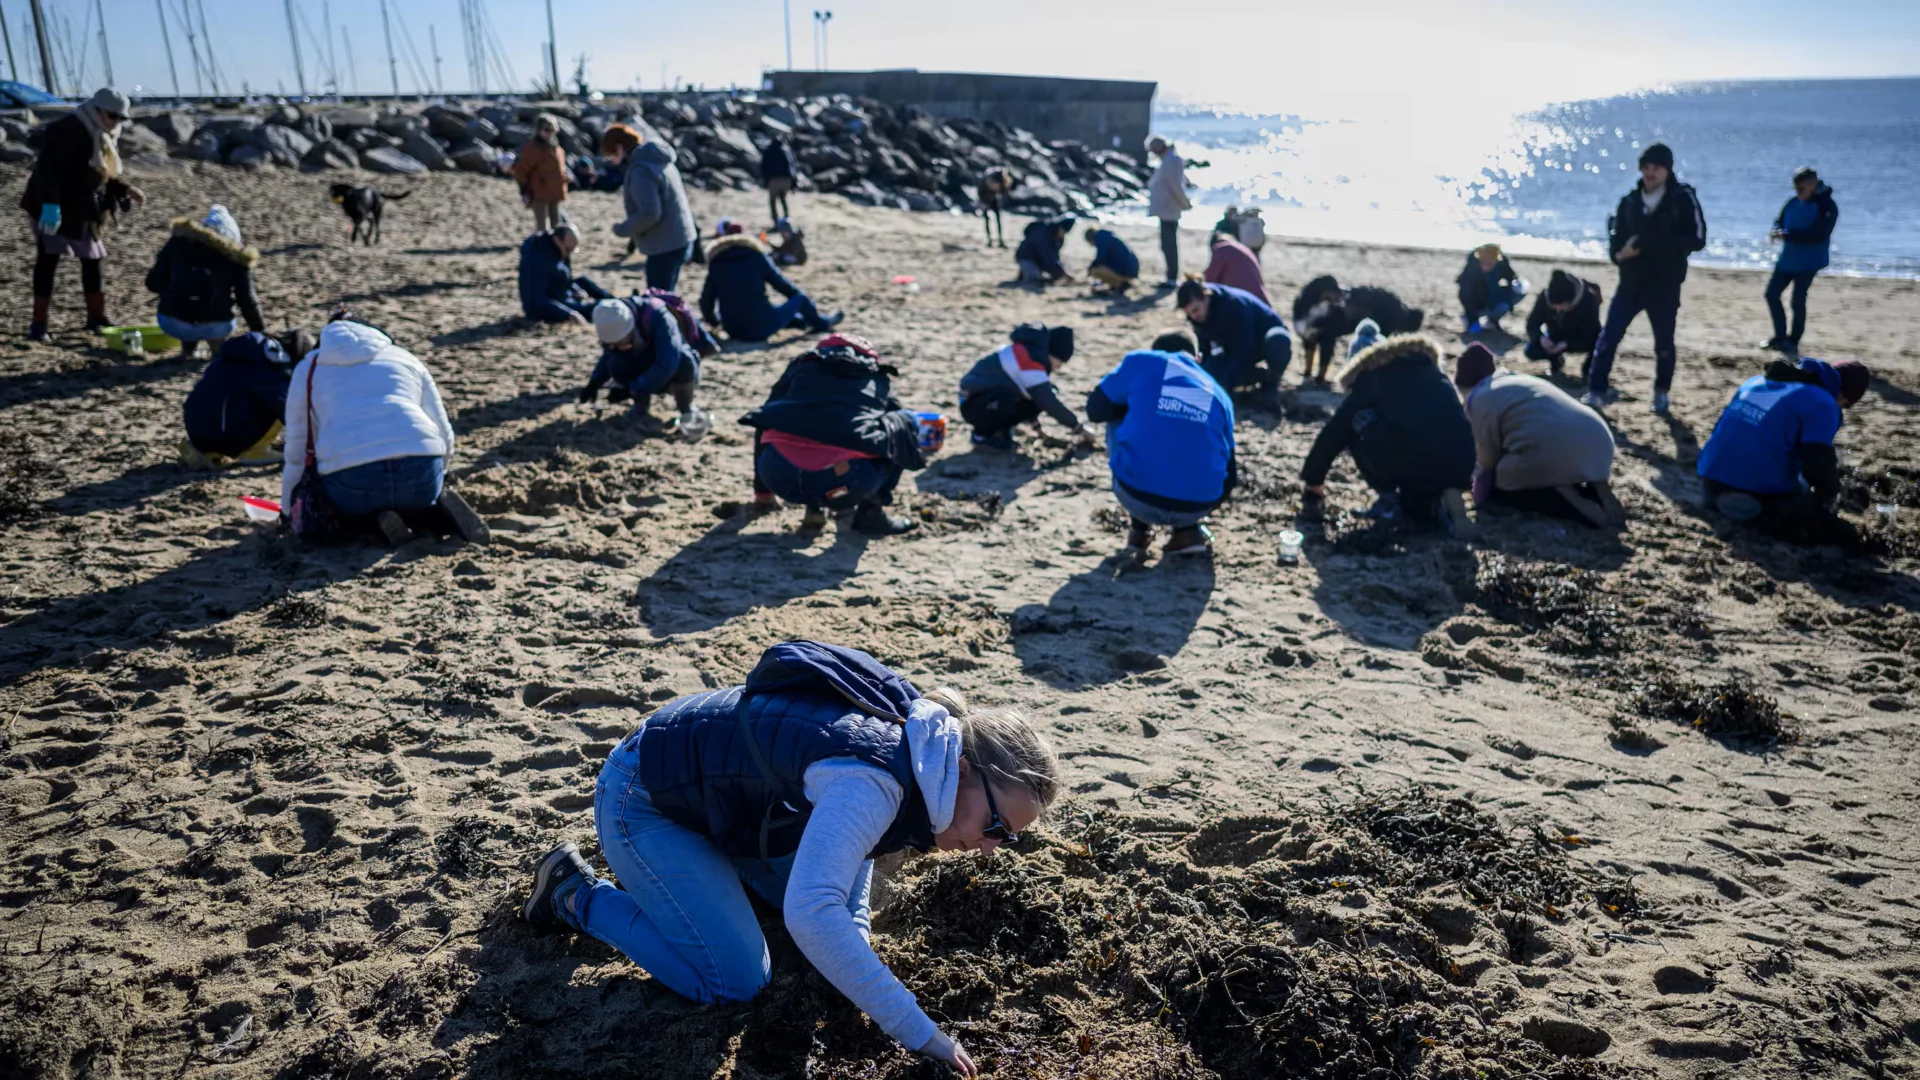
(792, 784)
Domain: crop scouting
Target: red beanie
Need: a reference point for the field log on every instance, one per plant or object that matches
(1475, 364)
(1854, 378)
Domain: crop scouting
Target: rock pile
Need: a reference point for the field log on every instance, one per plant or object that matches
(873, 153)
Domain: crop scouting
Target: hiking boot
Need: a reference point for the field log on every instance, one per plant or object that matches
(1776, 344)
(694, 424)
(392, 527)
(814, 519)
(1661, 403)
(1600, 399)
(1557, 367)
(37, 333)
(1001, 440)
(874, 520)
(1139, 536)
(649, 425)
(560, 875)
(1472, 326)
(465, 521)
(828, 322)
(1193, 540)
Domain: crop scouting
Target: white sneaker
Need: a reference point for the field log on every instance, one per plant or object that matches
(1660, 402)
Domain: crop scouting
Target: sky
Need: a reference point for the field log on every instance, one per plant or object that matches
(1260, 55)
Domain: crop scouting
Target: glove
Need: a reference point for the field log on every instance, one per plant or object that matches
(618, 394)
(589, 394)
(49, 217)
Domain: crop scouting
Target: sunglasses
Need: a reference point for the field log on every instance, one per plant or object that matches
(996, 829)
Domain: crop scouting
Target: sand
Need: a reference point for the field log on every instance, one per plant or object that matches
(269, 811)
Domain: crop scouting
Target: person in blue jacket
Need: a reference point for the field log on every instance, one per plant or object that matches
(1114, 263)
(1038, 255)
(1241, 338)
(1804, 229)
(1771, 452)
(1169, 443)
(739, 273)
(234, 411)
(549, 292)
(642, 353)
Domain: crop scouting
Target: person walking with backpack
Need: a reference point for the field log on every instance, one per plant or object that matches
(1804, 229)
(74, 186)
(658, 220)
(201, 274)
(1653, 230)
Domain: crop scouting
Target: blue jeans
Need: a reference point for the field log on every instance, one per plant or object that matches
(408, 483)
(681, 909)
(1158, 515)
(1777, 285)
(866, 480)
(663, 271)
(1662, 306)
(195, 331)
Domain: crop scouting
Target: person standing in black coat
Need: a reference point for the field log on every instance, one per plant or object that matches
(74, 185)
(1656, 226)
(201, 273)
(778, 170)
(1565, 318)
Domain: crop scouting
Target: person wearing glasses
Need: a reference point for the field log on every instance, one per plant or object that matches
(75, 185)
(792, 784)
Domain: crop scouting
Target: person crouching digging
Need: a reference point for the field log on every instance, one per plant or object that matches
(792, 784)
(201, 273)
(235, 410)
(1403, 423)
(831, 436)
(1014, 385)
(1535, 447)
(642, 353)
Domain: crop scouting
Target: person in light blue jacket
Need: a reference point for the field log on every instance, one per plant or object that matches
(1804, 229)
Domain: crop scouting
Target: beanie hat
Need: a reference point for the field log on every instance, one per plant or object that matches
(1060, 342)
(1657, 154)
(107, 99)
(220, 220)
(612, 321)
(1474, 365)
(1561, 288)
(1854, 378)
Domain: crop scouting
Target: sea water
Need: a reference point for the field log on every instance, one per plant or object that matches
(1543, 180)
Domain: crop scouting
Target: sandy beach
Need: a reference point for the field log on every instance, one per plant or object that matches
(269, 811)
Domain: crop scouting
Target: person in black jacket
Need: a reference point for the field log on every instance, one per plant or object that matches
(201, 273)
(831, 436)
(734, 297)
(549, 291)
(1488, 288)
(1014, 385)
(778, 170)
(234, 412)
(1565, 318)
(1039, 252)
(1656, 226)
(1410, 438)
(74, 185)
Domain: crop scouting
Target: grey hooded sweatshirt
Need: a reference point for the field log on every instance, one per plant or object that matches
(658, 220)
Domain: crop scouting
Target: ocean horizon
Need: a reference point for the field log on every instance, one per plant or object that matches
(1542, 179)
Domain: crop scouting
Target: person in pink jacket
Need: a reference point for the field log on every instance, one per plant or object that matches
(1234, 264)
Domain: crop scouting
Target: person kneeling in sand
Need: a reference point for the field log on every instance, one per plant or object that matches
(549, 292)
(1409, 437)
(1014, 386)
(1535, 447)
(791, 785)
(1169, 443)
(1565, 319)
(201, 273)
(1489, 288)
(739, 273)
(1114, 263)
(831, 436)
(369, 415)
(1038, 255)
(1770, 459)
(234, 412)
(1241, 338)
(642, 353)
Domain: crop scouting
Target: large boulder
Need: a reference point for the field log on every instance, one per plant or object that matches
(348, 117)
(283, 115)
(401, 125)
(247, 156)
(383, 159)
(780, 114)
(16, 129)
(228, 126)
(480, 129)
(135, 139)
(14, 153)
(364, 139)
(204, 146)
(448, 123)
(315, 126)
(422, 148)
(329, 154)
(736, 140)
(515, 135)
(498, 115)
(475, 157)
(173, 127)
(283, 144)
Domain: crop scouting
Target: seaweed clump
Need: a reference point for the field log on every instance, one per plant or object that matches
(1727, 710)
(19, 478)
(1559, 601)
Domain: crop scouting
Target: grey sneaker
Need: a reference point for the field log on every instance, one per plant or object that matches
(561, 871)
(1597, 400)
(1660, 402)
(465, 521)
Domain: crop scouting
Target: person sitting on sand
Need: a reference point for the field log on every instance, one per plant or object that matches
(831, 436)
(1770, 458)
(787, 245)
(791, 785)
(1169, 443)
(1014, 386)
(1233, 263)
(1038, 255)
(368, 413)
(1409, 437)
(235, 410)
(643, 352)
(201, 273)
(541, 171)
(734, 297)
(658, 222)
(549, 292)
(992, 195)
(1114, 263)
(1489, 288)
(1565, 319)
(1241, 338)
(1535, 447)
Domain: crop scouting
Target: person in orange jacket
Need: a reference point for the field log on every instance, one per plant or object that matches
(541, 172)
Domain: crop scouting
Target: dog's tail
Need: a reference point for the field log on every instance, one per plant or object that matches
(1415, 317)
(395, 198)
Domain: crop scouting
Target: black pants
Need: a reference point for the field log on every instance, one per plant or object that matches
(990, 218)
(45, 266)
(990, 412)
(1777, 285)
(1662, 305)
(1170, 248)
(1546, 501)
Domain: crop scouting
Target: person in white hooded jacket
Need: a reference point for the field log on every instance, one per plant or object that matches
(379, 432)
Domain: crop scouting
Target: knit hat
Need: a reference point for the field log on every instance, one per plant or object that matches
(1060, 342)
(612, 321)
(1854, 378)
(726, 226)
(1561, 288)
(1474, 365)
(1657, 154)
(220, 220)
(107, 99)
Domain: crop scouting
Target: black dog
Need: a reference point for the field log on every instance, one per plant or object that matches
(363, 205)
(1324, 313)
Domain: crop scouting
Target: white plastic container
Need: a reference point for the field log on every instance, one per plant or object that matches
(1290, 541)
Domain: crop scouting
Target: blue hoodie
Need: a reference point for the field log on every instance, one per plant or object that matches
(546, 281)
(1234, 337)
(1808, 227)
(1171, 434)
(1113, 253)
(1756, 443)
(660, 355)
(240, 396)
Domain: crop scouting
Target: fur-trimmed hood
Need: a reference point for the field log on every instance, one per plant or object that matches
(1388, 351)
(736, 240)
(192, 230)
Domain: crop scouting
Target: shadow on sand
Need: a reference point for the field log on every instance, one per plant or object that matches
(1114, 620)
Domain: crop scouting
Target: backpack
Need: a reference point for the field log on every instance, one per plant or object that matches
(694, 334)
(1253, 230)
